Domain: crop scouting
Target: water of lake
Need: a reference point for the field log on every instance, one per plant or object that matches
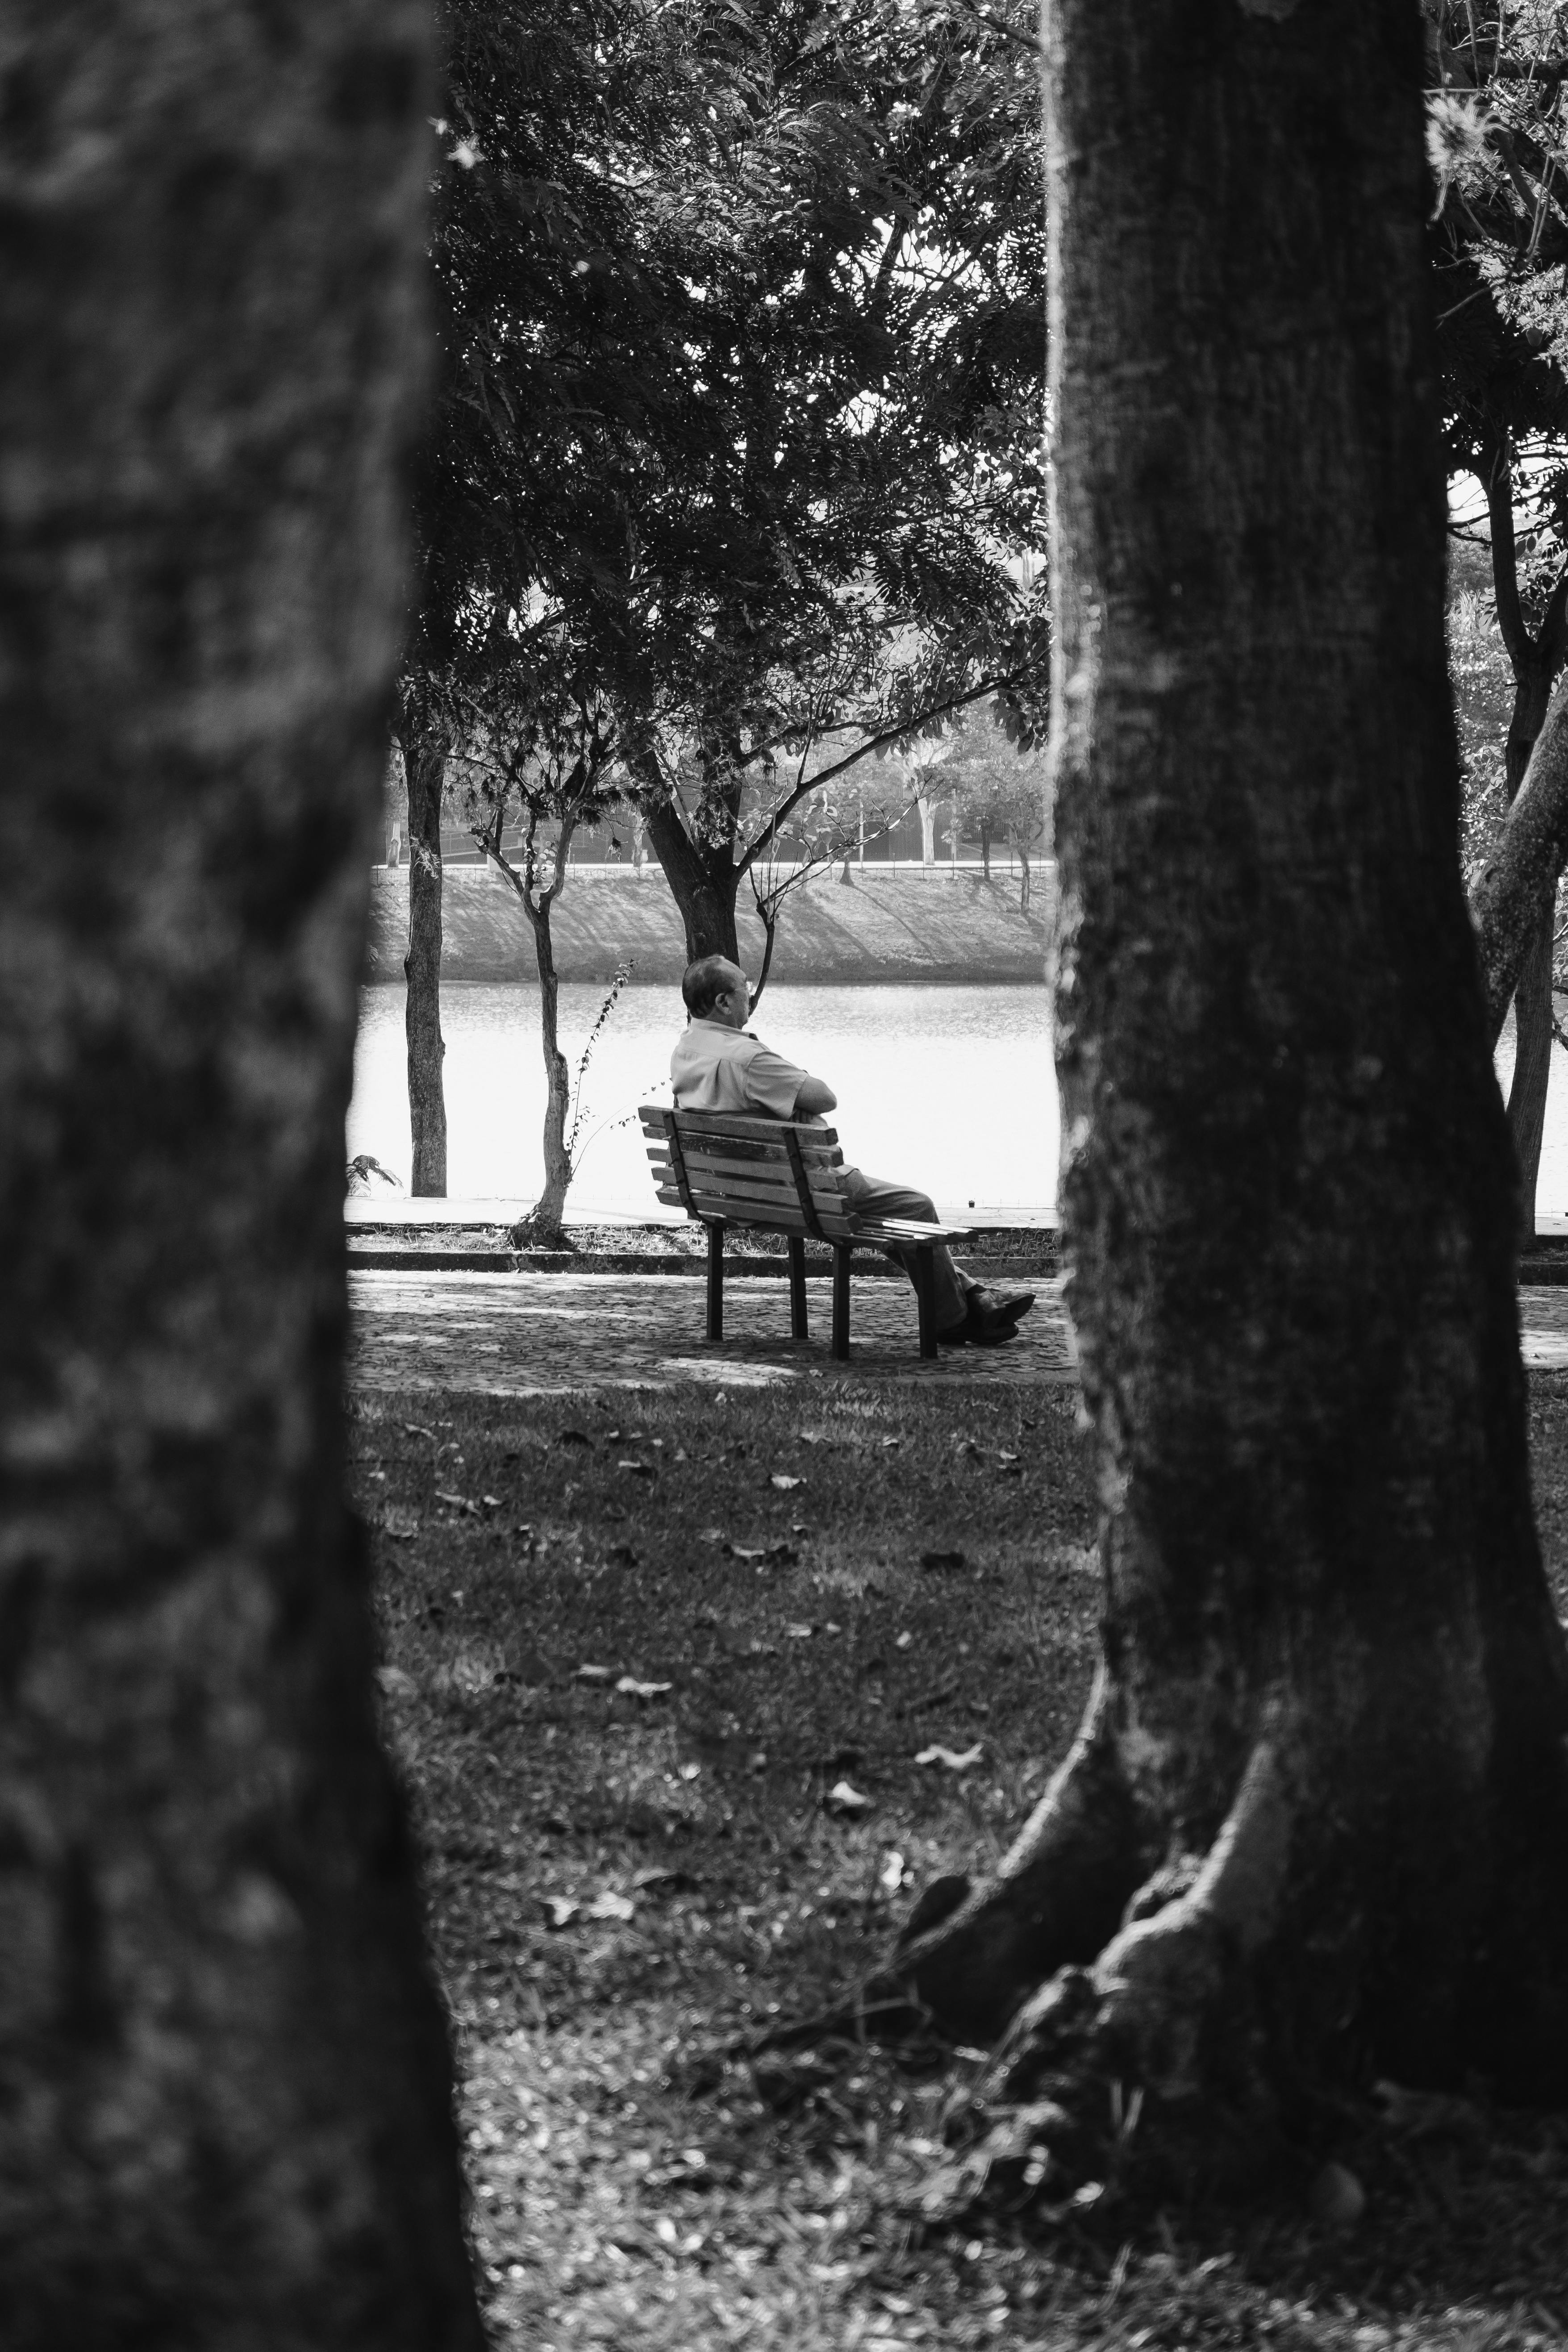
(950, 1088)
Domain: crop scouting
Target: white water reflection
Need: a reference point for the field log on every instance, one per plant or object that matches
(950, 1088)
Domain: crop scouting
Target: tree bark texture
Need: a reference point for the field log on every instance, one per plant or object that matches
(423, 754)
(1315, 1827)
(1535, 659)
(225, 2086)
(703, 881)
(1520, 881)
(1532, 1064)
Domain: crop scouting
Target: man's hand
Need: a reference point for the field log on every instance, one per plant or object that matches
(814, 1098)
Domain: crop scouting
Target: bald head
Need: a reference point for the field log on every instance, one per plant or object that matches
(715, 989)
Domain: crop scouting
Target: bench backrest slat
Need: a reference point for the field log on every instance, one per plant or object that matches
(786, 1175)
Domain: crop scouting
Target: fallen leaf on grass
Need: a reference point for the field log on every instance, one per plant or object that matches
(891, 1877)
(458, 1502)
(941, 1560)
(565, 1908)
(782, 1554)
(638, 1469)
(784, 1484)
(490, 1502)
(903, 1640)
(844, 1797)
(951, 1760)
(610, 1905)
(668, 1881)
(392, 1679)
(417, 1429)
(797, 1633)
(631, 1688)
(593, 1675)
(711, 1535)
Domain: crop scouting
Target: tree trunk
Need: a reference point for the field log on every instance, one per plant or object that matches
(548, 1210)
(542, 1223)
(1516, 892)
(703, 878)
(1535, 661)
(226, 2118)
(1315, 1825)
(1532, 996)
(927, 808)
(1026, 882)
(985, 847)
(1532, 1066)
(423, 754)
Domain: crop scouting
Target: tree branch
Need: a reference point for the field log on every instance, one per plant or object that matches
(872, 744)
(1495, 474)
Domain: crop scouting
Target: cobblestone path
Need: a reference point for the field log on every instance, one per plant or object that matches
(545, 1334)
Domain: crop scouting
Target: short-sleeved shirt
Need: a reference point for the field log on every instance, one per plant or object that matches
(716, 1068)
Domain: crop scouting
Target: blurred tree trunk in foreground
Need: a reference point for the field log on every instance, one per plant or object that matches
(1316, 1825)
(225, 2086)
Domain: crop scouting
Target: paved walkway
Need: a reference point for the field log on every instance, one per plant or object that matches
(544, 1335)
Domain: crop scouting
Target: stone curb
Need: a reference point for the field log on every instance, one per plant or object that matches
(476, 1261)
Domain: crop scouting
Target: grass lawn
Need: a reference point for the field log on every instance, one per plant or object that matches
(662, 1671)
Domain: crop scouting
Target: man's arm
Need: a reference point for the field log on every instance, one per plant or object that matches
(814, 1098)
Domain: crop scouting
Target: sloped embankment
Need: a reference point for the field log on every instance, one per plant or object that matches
(884, 929)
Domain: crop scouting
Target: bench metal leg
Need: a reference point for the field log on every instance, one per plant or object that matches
(840, 1303)
(796, 1288)
(925, 1295)
(716, 1281)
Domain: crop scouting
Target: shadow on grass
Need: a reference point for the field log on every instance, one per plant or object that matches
(660, 1670)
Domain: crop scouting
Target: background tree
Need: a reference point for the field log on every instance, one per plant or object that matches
(1499, 242)
(226, 2110)
(999, 793)
(1314, 1826)
(739, 322)
(540, 743)
(554, 253)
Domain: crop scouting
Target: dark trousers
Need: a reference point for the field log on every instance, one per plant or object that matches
(877, 1198)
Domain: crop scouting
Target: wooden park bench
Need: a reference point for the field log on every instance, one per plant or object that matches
(780, 1176)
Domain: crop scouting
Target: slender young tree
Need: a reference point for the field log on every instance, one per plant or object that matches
(1315, 1826)
(540, 743)
(225, 2086)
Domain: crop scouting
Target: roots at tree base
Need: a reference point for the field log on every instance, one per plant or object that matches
(1238, 1991)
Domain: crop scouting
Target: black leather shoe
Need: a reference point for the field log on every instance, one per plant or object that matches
(1011, 1305)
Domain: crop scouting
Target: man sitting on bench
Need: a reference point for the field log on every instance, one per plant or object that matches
(719, 1065)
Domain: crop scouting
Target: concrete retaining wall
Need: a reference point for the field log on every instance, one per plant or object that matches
(908, 926)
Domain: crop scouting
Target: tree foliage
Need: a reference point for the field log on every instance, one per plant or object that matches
(739, 313)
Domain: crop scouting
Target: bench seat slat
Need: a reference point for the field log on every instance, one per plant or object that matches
(727, 1200)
